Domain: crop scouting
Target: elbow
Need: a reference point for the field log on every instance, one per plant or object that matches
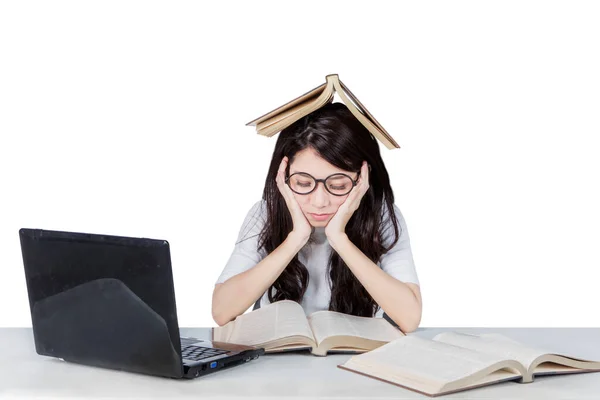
(410, 326)
(219, 319)
(414, 319)
(410, 323)
(217, 312)
(407, 326)
(218, 316)
(414, 322)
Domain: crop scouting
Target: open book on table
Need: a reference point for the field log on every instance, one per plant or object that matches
(283, 326)
(453, 362)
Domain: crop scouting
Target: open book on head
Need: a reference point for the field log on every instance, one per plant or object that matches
(285, 115)
(283, 326)
(453, 362)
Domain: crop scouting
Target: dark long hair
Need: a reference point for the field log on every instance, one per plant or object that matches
(340, 139)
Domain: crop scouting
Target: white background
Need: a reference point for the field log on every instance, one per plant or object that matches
(128, 118)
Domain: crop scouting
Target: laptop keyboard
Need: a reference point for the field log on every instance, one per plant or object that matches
(197, 353)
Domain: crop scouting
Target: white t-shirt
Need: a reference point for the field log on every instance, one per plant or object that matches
(398, 262)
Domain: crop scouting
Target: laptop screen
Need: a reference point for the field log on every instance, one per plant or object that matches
(103, 300)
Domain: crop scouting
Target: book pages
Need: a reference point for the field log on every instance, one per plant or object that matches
(274, 321)
(495, 344)
(306, 97)
(425, 361)
(325, 324)
(299, 111)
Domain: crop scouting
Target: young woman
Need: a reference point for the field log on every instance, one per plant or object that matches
(326, 233)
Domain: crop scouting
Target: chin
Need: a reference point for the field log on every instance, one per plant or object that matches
(319, 224)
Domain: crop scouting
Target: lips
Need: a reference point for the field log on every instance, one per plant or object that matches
(320, 217)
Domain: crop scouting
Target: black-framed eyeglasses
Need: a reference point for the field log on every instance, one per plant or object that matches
(337, 184)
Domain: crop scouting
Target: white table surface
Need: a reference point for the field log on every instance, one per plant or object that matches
(25, 374)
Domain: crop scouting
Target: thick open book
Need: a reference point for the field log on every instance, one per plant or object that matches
(453, 362)
(283, 326)
(285, 115)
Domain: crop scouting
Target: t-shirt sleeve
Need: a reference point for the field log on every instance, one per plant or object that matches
(245, 253)
(398, 261)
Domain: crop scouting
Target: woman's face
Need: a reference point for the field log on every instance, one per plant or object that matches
(320, 201)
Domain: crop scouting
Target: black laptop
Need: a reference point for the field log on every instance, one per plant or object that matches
(109, 301)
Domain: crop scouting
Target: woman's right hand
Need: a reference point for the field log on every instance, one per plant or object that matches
(302, 227)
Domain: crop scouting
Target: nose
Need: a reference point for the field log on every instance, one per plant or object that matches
(320, 196)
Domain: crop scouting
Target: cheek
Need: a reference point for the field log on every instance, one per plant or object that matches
(338, 201)
(301, 200)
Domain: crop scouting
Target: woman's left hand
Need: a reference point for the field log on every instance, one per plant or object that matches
(337, 225)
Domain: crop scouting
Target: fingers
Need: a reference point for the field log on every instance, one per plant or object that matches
(283, 164)
(364, 176)
(361, 188)
(284, 189)
(363, 180)
(280, 178)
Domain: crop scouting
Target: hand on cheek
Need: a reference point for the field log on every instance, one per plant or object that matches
(337, 224)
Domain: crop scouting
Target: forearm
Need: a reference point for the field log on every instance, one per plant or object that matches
(237, 294)
(393, 296)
